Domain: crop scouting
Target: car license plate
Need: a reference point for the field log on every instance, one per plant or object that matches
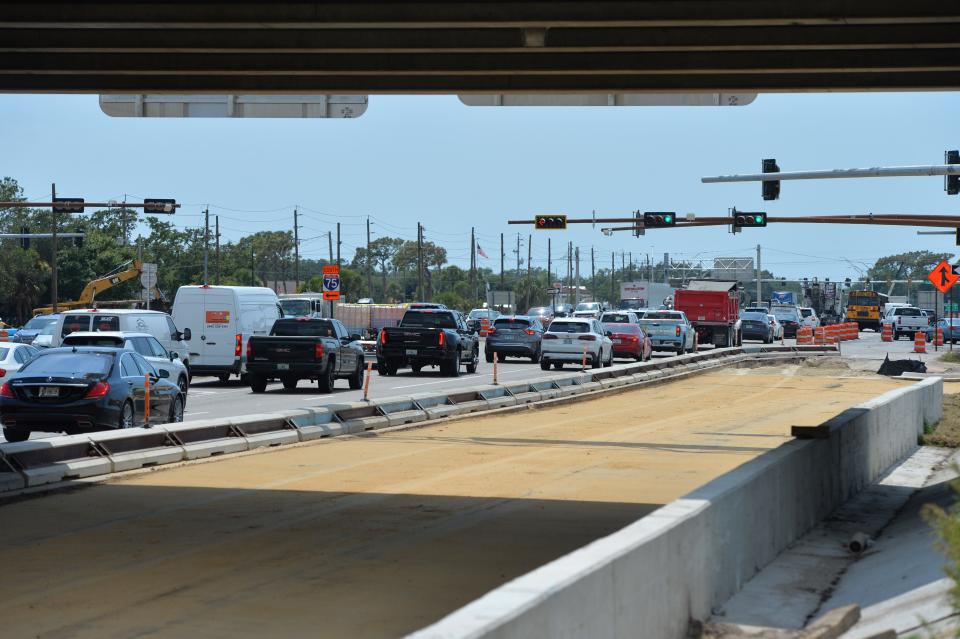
(411, 351)
(508, 338)
(618, 341)
(49, 391)
(283, 367)
(568, 341)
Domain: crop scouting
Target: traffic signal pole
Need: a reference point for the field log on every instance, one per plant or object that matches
(53, 264)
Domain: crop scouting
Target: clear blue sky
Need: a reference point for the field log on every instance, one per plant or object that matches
(432, 159)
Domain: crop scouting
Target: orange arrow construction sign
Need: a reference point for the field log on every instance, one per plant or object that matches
(943, 277)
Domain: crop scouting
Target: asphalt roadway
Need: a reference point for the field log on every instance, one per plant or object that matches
(381, 534)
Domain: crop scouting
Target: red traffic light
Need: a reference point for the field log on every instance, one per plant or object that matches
(550, 222)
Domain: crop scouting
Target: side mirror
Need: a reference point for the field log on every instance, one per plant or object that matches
(164, 374)
(609, 333)
(355, 337)
(186, 334)
(345, 340)
(173, 356)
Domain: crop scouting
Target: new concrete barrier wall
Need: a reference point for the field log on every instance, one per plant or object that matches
(653, 577)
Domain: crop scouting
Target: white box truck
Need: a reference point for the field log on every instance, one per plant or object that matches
(221, 320)
(636, 295)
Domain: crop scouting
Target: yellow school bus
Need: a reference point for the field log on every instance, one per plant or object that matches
(865, 308)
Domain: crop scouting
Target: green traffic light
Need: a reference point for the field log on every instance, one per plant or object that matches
(759, 219)
(667, 219)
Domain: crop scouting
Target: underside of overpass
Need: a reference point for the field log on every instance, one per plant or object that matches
(370, 47)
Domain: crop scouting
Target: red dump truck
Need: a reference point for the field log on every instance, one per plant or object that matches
(713, 307)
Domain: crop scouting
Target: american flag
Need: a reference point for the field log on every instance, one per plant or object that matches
(480, 251)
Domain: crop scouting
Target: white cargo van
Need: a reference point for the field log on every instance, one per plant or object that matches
(221, 320)
(155, 323)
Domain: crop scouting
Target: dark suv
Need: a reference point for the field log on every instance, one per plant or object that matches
(515, 336)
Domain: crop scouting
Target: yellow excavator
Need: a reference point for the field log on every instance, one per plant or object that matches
(88, 296)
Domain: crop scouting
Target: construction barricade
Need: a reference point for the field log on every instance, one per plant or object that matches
(805, 336)
(820, 335)
(886, 333)
(919, 342)
(484, 327)
(938, 336)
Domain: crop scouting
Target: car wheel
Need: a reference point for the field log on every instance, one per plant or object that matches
(472, 366)
(258, 383)
(290, 383)
(184, 384)
(610, 359)
(326, 380)
(453, 368)
(126, 416)
(896, 336)
(16, 434)
(536, 356)
(415, 369)
(489, 356)
(356, 380)
(224, 378)
(558, 366)
(176, 411)
(544, 365)
(597, 362)
(682, 349)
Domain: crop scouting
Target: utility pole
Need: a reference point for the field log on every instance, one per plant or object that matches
(630, 272)
(338, 244)
(473, 261)
(613, 268)
(216, 239)
(419, 261)
(296, 247)
(253, 266)
(206, 242)
(330, 245)
(53, 264)
(577, 294)
(518, 257)
(502, 281)
(593, 276)
(666, 269)
(529, 254)
(759, 283)
(369, 272)
(549, 263)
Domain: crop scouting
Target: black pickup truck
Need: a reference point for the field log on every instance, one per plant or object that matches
(303, 348)
(428, 337)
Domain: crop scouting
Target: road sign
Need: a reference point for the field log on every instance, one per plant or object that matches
(331, 282)
(943, 277)
(148, 275)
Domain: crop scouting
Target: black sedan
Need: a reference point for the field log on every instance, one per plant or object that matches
(83, 389)
(756, 326)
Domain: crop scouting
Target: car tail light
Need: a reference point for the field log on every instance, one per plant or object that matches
(589, 337)
(249, 350)
(530, 331)
(3, 372)
(6, 391)
(491, 331)
(441, 338)
(634, 339)
(318, 351)
(549, 336)
(678, 331)
(383, 336)
(100, 389)
(239, 346)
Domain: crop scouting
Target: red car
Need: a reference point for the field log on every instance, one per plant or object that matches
(629, 340)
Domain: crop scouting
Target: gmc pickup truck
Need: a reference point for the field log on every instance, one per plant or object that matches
(316, 349)
(668, 331)
(906, 320)
(428, 337)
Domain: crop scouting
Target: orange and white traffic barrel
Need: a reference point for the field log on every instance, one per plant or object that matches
(938, 336)
(886, 333)
(919, 342)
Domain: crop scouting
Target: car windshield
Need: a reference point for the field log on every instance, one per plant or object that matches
(753, 317)
(539, 310)
(480, 313)
(295, 307)
(569, 327)
(806, 312)
(426, 319)
(296, 328)
(790, 315)
(39, 322)
(662, 315)
(65, 364)
(621, 328)
(907, 312)
(107, 341)
(631, 304)
(511, 322)
(615, 318)
(588, 306)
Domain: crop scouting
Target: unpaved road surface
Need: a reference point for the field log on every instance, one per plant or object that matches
(377, 536)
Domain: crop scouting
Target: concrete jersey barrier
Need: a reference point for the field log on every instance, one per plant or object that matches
(653, 577)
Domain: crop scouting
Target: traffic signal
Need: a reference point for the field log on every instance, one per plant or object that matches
(771, 188)
(78, 241)
(743, 219)
(74, 205)
(659, 220)
(158, 205)
(953, 181)
(958, 236)
(25, 241)
(550, 222)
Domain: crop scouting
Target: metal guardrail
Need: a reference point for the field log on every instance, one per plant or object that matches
(45, 461)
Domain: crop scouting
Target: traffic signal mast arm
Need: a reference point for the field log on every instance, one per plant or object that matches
(938, 221)
(878, 171)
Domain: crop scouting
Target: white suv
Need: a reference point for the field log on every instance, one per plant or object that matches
(566, 339)
(810, 318)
